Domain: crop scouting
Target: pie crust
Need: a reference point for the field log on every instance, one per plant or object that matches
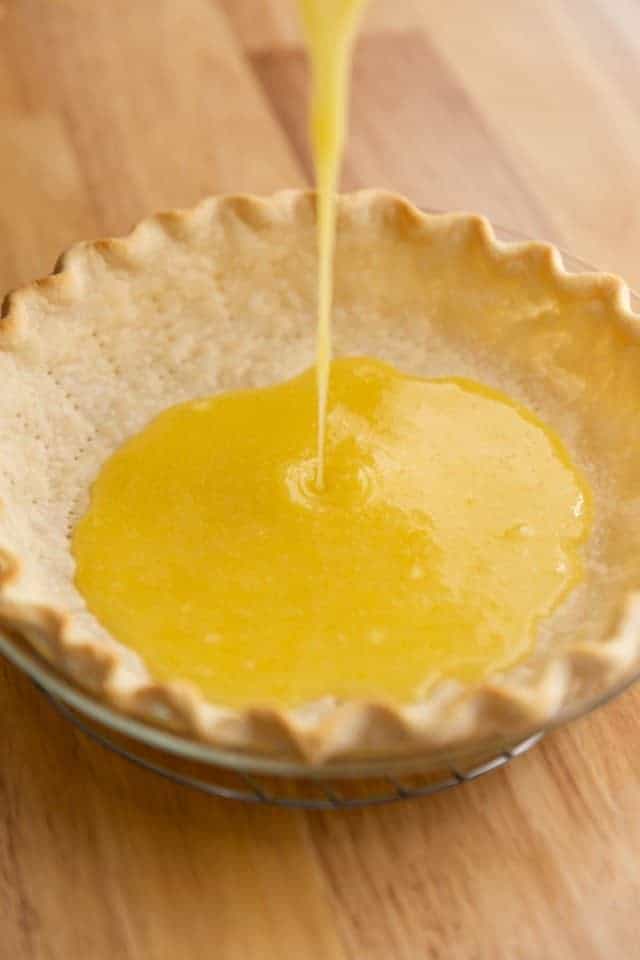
(221, 297)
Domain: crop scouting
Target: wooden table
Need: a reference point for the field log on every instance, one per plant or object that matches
(527, 111)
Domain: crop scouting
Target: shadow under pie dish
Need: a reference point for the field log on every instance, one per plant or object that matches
(221, 298)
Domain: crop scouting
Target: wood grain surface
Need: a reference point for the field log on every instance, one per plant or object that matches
(529, 112)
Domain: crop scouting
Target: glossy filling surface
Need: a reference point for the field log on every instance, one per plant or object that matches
(451, 523)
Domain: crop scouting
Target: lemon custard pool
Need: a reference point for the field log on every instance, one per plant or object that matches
(209, 549)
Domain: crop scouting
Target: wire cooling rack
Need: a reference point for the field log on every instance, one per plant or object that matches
(252, 778)
(313, 793)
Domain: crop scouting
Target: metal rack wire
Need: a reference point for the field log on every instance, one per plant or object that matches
(274, 780)
(304, 793)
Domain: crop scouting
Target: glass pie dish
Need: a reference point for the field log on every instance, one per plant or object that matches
(253, 775)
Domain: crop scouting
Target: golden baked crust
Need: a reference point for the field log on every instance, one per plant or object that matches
(221, 297)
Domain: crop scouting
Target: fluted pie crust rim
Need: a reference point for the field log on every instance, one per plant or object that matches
(91, 280)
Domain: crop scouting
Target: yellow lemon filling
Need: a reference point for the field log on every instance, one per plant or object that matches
(330, 26)
(276, 546)
(451, 522)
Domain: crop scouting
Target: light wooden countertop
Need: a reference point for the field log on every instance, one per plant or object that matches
(526, 111)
